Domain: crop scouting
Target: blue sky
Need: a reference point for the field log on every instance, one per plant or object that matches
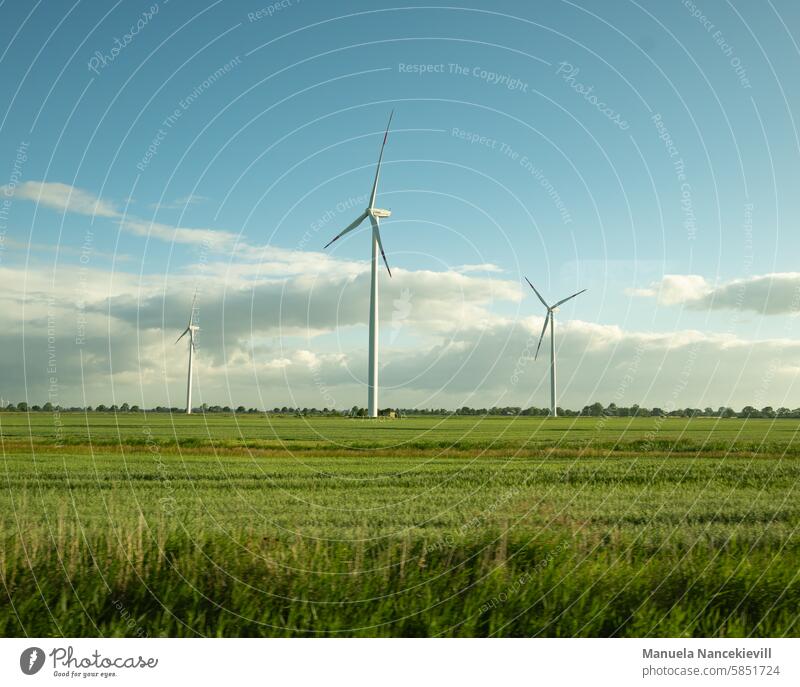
(528, 139)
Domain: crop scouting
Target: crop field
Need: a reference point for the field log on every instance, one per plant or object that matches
(157, 525)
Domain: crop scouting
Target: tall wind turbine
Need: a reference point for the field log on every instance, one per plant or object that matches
(374, 215)
(191, 330)
(548, 319)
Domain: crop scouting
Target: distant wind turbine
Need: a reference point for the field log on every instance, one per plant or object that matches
(374, 214)
(191, 330)
(548, 318)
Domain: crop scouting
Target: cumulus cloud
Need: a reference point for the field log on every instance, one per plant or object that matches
(768, 294)
(301, 340)
(236, 307)
(674, 289)
(288, 327)
(598, 362)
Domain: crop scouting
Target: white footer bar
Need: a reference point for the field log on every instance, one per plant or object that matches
(401, 662)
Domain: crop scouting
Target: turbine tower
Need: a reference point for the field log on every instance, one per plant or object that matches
(548, 319)
(191, 330)
(374, 215)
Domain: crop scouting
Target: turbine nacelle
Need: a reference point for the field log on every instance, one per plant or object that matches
(374, 214)
(191, 330)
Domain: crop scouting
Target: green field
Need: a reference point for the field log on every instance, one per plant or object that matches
(158, 525)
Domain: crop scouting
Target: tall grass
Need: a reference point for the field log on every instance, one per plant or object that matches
(427, 535)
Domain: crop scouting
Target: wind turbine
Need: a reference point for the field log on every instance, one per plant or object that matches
(548, 318)
(191, 330)
(374, 215)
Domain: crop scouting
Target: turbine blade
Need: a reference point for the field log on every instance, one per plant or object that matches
(544, 303)
(569, 297)
(349, 228)
(191, 312)
(376, 229)
(380, 159)
(185, 332)
(544, 329)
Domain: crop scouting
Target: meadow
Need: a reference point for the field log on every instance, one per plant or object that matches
(159, 525)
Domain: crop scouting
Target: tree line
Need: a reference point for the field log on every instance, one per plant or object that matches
(593, 410)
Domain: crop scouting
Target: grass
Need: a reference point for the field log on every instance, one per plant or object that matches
(254, 526)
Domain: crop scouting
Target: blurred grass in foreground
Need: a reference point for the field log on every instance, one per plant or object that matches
(226, 526)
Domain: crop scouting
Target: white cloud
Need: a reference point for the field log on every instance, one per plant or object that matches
(214, 239)
(64, 198)
(178, 203)
(281, 326)
(598, 362)
(674, 289)
(487, 267)
(767, 294)
(261, 343)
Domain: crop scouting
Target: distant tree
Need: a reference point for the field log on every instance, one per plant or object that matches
(595, 410)
(48, 407)
(749, 411)
(135, 409)
(36, 409)
(767, 411)
(657, 412)
(124, 408)
(101, 408)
